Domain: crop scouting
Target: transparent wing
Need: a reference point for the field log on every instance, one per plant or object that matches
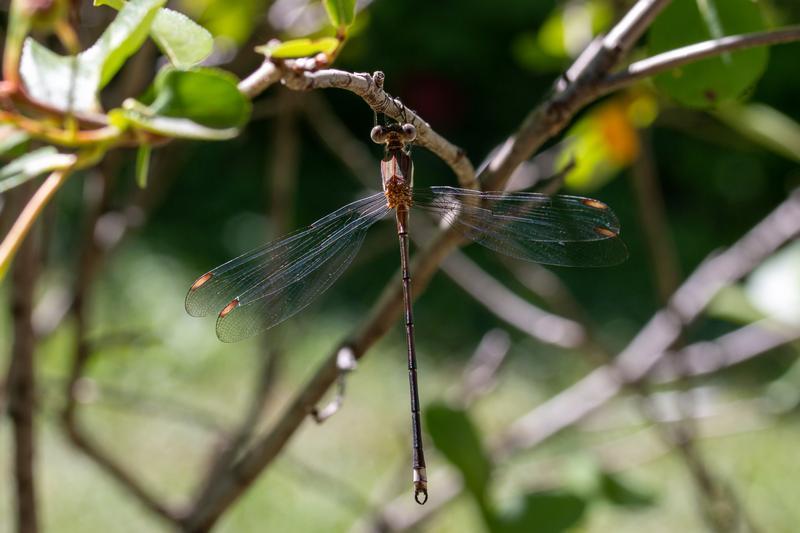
(554, 230)
(265, 286)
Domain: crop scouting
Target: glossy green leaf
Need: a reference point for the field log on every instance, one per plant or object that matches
(709, 82)
(341, 12)
(71, 83)
(201, 103)
(122, 38)
(623, 494)
(455, 436)
(143, 165)
(299, 48)
(182, 40)
(63, 82)
(31, 165)
(207, 96)
(545, 512)
(765, 126)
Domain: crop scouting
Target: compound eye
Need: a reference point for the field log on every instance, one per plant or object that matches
(378, 134)
(409, 132)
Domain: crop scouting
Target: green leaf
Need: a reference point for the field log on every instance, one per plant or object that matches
(122, 38)
(300, 48)
(201, 103)
(766, 126)
(62, 82)
(143, 165)
(182, 40)
(545, 512)
(71, 83)
(341, 12)
(207, 96)
(622, 494)
(31, 165)
(709, 82)
(455, 436)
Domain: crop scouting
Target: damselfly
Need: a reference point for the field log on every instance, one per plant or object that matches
(264, 287)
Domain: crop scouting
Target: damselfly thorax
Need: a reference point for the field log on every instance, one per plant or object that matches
(397, 167)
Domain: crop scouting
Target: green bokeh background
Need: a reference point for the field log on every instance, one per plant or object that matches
(169, 390)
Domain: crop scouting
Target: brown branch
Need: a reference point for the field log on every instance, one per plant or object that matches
(90, 258)
(695, 52)
(480, 372)
(365, 86)
(21, 384)
(736, 347)
(511, 308)
(651, 344)
(574, 91)
(24, 222)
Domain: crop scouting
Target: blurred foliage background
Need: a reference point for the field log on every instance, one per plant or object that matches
(161, 388)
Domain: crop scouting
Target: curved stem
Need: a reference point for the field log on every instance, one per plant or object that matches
(695, 52)
(30, 213)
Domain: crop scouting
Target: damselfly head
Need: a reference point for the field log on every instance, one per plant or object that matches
(393, 133)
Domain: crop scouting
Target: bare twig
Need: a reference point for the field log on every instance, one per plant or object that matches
(504, 303)
(24, 222)
(365, 86)
(21, 384)
(707, 357)
(695, 52)
(480, 372)
(652, 342)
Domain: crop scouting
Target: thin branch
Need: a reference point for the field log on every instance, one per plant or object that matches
(365, 86)
(480, 372)
(21, 385)
(573, 92)
(650, 345)
(707, 357)
(511, 308)
(695, 52)
(24, 222)
(260, 79)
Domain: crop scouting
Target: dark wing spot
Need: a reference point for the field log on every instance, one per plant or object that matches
(591, 202)
(605, 232)
(230, 307)
(201, 280)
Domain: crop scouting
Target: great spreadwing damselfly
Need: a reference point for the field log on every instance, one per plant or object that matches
(266, 286)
